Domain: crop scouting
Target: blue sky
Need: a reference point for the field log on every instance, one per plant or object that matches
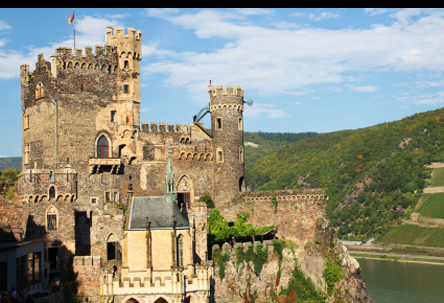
(317, 70)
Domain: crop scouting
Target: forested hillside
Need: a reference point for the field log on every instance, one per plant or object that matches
(260, 144)
(13, 162)
(373, 176)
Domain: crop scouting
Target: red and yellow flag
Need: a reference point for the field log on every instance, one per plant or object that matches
(71, 19)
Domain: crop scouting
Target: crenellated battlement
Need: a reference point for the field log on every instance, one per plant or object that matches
(120, 34)
(163, 127)
(127, 45)
(197, 281)
(78, 52)
(219, 91)
(104, 58)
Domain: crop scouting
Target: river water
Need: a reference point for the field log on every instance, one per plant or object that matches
(402, 282)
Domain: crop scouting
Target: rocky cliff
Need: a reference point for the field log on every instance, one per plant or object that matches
(306, 263)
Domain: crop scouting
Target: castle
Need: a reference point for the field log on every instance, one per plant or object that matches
(116, 201)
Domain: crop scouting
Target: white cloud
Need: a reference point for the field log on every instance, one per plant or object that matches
(144, 109)
(259, 109)
(280, 60)
(376, 11)
(4, 25)
(254, 11)
(431, 99)
(364, 89)
(323, 16)
(89, 32)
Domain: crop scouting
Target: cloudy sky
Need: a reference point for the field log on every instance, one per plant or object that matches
(317, 70)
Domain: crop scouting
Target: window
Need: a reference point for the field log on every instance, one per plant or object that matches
(33, 268)
(241, 154)
(26, 122)
(126, 88)
(51, 192)
(219, 155)
(26, 155)
(218, 123)
(51, 219)
(112, 248)
(21, 275)
(113, 116)
(39, 91)
(93, 200)
(239, 126)
(126, 64)
(3, 276)
(53, 256)
(102, 147)
(180, 251)
(107, 196)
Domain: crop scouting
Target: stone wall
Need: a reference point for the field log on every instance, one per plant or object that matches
(87, 271)
(12, 220)
(294, 217)
(34, 184)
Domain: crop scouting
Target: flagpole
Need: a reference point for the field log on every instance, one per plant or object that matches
(74, 31)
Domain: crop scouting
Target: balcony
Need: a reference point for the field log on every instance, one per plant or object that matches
(98, 165)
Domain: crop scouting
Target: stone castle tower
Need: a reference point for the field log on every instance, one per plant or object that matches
(226, 109)
(84, 146)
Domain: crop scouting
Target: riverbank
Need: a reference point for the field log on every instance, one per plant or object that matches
(398, 257)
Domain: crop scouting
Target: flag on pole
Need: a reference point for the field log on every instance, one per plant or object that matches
(71, 19)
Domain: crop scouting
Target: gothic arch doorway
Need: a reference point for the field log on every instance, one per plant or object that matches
(185, 193)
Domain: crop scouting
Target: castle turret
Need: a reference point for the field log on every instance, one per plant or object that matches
(226, 109)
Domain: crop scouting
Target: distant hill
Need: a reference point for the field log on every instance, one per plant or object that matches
(373, 176)
(259, 144)
(13, 162)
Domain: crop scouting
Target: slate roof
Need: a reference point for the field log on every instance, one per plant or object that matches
(159, 212)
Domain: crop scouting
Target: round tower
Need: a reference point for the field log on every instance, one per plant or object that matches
(129, 53)
(226, 109)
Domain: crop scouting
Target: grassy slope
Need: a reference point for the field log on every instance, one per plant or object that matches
(433, 206)
(394, 173)
(437, 177)
(413, 234)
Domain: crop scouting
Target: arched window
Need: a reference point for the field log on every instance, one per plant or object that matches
(180, 251)
(51, 192)
(241, 155)
(239, 125)
(102, 147)
(126, 64)
(51, 219)
(112, 248)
